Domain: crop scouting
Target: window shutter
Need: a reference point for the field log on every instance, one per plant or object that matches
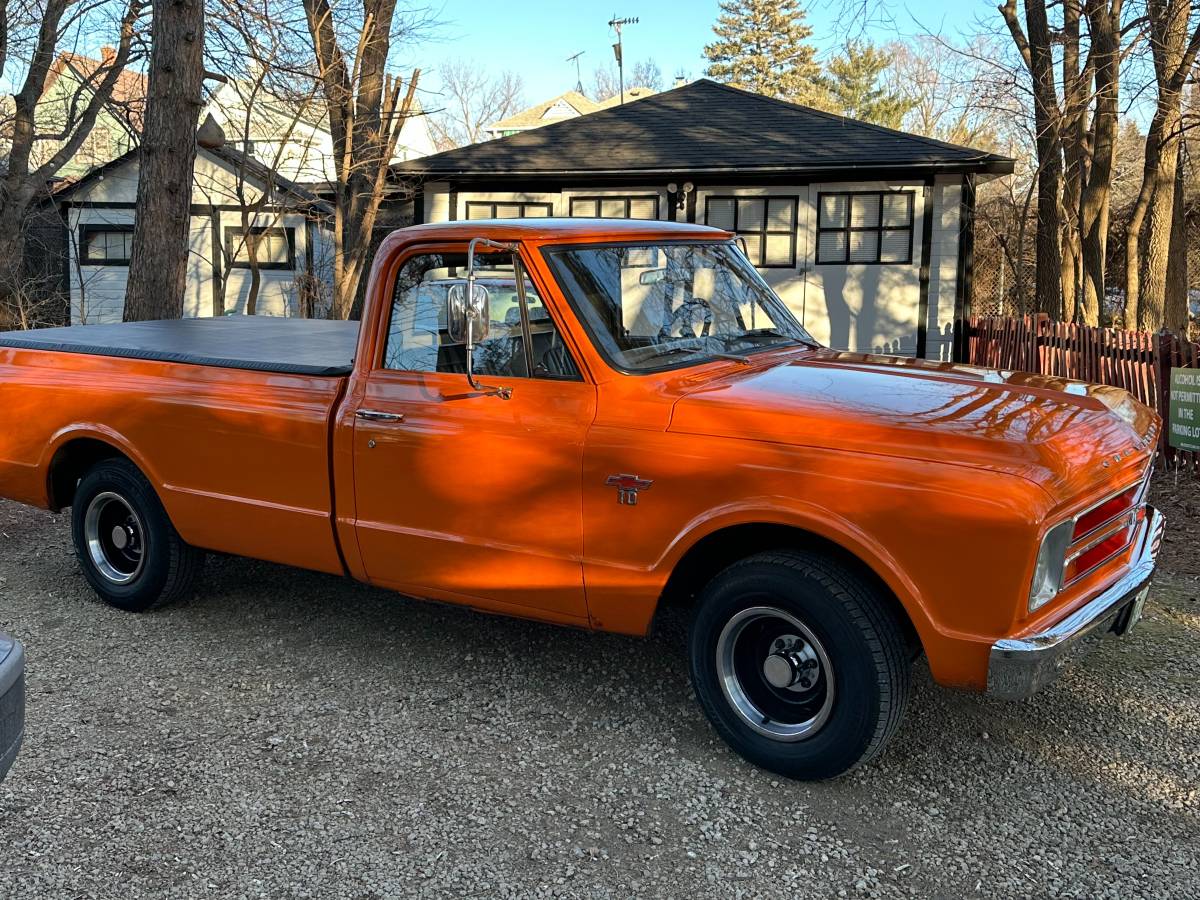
(586, 208)
(751, 214)
(896, 209)
(781, 214)
(864, 246)
(613, 208)
(643, 208)
(719, 214)
(833, 211)
(895, 246)
(831, 247)
(864, 211)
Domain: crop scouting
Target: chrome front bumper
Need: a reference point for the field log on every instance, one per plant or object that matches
(1019, 667)
(12, 701)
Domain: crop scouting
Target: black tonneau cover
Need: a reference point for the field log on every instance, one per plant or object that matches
(258, 343)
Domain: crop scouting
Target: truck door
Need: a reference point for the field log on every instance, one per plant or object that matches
(466, 497)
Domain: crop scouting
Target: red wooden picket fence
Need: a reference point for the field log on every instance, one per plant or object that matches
(1138, 361)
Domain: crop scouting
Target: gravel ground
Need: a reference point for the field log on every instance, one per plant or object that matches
(286, 734)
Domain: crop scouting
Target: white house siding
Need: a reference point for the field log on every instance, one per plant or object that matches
(943, 267)
(856, 306)
(98, 291)
(300, 149)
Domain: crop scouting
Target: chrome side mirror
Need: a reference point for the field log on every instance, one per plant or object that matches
(474, 314)
(467, 322)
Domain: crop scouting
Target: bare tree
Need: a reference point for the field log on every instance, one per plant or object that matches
(644, 74)
(1099, 165)
(34, 42)
(1075, 127)
(1033, 41)
(957, 94)
(472, 99)
(1174, 40)
(158, 259)
(367, 109)
(268, 81)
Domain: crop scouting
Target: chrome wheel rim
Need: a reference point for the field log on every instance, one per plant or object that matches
(775, 673)
(115, 538)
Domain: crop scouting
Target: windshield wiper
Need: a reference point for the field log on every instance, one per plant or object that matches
(668, 351)
(757, 334)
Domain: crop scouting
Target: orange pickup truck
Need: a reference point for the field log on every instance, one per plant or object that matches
(579, 421)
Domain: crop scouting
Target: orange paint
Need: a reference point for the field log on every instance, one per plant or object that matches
(941, 479)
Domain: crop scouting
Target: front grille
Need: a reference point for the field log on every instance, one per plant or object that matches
(1106, 529)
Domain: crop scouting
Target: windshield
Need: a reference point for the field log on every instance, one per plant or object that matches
(659, 306)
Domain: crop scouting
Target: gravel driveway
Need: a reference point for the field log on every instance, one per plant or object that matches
(286, 734)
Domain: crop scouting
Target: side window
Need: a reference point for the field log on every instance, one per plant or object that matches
(418, 341)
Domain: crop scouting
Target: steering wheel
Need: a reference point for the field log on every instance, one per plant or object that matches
(685, 316)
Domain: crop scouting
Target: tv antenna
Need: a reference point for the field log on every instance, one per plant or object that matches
(578, 77)
(615, 24)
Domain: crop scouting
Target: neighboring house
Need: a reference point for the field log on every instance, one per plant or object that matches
(558, 109)
(865, 232)
(294, 250)
(291, 135)
(69, 88)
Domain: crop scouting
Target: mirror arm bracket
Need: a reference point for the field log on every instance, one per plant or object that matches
(504, 393)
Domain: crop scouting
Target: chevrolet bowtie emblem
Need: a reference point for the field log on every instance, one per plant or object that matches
(627, 487)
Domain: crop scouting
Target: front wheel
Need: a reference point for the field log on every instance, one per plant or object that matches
(799, 664)
(129, 551)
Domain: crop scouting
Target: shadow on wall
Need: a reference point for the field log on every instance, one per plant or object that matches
(871, 308)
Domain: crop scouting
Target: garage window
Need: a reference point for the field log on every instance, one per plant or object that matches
(865, 227)
(479, 209)
(105, 245)
(767, 225)
(615, 207)
(275, 248)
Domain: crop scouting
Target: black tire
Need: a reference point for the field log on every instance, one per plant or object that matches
(153, 566)
(822, 727)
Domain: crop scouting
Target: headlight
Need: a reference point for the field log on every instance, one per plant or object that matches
(1048, 575)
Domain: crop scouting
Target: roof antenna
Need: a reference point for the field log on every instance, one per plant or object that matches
(578, 77)
(615, 24)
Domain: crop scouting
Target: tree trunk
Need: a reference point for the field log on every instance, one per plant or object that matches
(1073, 133)
(1156, 237)
(1176, 294)
(158, 261)
(366, 113)
(1174, 45)
(1103, 24)
(1038, 54)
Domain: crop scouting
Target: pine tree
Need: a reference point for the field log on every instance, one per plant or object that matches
(762, 47)
(857, 89)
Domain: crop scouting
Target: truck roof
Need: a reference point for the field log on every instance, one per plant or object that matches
(572, 229)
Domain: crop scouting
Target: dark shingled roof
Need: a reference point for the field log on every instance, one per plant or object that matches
(704, 127)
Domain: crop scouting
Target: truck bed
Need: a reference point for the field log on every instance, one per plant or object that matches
(258, 343)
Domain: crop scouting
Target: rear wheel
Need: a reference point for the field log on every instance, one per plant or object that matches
(799, 664)
(128, 549)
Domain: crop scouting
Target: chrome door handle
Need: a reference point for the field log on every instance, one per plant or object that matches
(374, 415)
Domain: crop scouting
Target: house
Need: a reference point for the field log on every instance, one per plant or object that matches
(556, 109)
(245, 221)
(865, 232)
(291, 134)
(69, 87)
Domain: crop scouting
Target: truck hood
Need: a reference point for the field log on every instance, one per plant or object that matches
(1053, 431)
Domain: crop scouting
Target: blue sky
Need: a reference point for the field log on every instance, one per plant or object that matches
(535, 37)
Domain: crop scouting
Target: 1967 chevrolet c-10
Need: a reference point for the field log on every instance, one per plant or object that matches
(580, 420)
